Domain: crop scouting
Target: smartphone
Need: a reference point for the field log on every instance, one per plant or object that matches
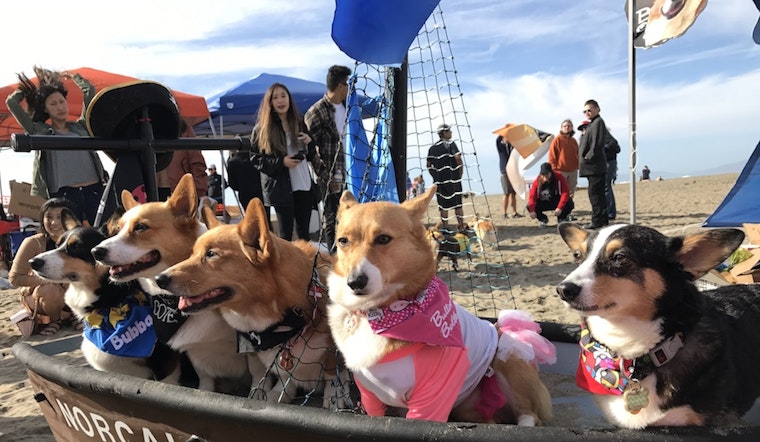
(299, 156)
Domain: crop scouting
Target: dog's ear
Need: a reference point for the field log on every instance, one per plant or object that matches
(574, 236)
(111, 227)
(416, 207)
(701, 252)
(208, 217)
(128, 200)
(347, 200)
(184, 198)
(69, 220)
(254, 231)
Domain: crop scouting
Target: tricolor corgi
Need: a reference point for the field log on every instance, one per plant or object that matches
(118, 336)
(656, 351)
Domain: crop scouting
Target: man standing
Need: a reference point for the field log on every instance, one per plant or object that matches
(215, 184)
(509, 199)
(593, 164)
(444, 163)
(326, 121)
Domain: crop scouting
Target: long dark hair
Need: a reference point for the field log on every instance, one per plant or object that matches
(35, 96)
(53, 203)
(272, 140)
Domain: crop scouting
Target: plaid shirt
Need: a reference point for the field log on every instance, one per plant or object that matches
(320, 119)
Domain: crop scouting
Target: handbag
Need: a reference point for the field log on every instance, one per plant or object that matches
(316, 191)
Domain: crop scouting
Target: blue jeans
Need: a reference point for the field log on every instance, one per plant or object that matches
(84, 200)
(611, 176)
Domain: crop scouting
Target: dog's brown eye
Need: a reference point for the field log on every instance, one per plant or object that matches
(383, 239)
(140, 227)
(619, 259)
(577, 255)
(210, 254)
(342, 241)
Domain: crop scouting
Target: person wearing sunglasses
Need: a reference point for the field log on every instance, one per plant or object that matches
(593, 164)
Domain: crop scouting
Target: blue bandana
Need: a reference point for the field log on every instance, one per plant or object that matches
(125, 330)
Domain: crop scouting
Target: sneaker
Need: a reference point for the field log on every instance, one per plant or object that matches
(542, 224)
(516, 215)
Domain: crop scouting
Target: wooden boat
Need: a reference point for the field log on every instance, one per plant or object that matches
(80, 403)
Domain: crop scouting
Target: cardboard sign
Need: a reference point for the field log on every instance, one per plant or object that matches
(23, 203)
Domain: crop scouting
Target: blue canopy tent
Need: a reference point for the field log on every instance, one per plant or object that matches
(233, 112)
(740, 206)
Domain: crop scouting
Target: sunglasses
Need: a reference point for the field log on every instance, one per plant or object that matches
(586, 111)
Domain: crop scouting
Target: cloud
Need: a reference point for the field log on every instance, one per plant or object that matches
(521, 61)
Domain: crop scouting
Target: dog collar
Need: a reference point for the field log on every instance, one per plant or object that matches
(431, 318)
(601, 371)
(275, 335)
(293, 322)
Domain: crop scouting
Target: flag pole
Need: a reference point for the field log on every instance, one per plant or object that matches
(632, 22)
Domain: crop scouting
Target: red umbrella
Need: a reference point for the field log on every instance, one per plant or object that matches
(191, 107)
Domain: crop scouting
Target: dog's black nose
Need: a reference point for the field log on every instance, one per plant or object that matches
(357, 281)
(99, 253)
(36, 263)
(163, 280)
(568, 291)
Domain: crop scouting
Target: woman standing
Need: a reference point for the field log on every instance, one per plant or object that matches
(43, 300)
(563, 155)
(280, 149)
(52, 171)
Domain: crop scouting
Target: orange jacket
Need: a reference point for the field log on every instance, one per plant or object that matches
(563, 153)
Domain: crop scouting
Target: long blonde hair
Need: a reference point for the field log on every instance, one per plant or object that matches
(271, 134)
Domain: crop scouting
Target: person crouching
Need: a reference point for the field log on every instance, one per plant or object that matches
(550, 191)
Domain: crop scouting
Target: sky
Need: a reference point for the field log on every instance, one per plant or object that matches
(528, 61)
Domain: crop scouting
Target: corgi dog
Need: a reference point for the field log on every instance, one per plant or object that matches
(408, 344)
(448, 245)
(670, 19)
(655, 351)
(119, 336)
(485, 231)
(272, 292)
(150, 238)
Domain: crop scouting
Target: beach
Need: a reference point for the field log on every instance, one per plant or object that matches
(536, 260)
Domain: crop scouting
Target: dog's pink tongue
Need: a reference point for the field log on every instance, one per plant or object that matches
(183, 303)
(187, 301)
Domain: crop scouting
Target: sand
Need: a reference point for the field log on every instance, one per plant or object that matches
(536, 260)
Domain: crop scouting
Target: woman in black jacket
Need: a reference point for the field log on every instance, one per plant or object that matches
(280, 149)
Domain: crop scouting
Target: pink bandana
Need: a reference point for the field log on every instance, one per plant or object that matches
(431, 318)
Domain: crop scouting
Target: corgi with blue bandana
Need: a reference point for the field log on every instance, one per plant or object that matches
(118, 336)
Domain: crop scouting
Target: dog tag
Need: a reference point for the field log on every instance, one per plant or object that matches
(350, 323)
(286, 360)
(636, 397)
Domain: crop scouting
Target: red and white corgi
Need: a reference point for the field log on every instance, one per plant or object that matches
(152, 237)
(408, 344)
(271, 291)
